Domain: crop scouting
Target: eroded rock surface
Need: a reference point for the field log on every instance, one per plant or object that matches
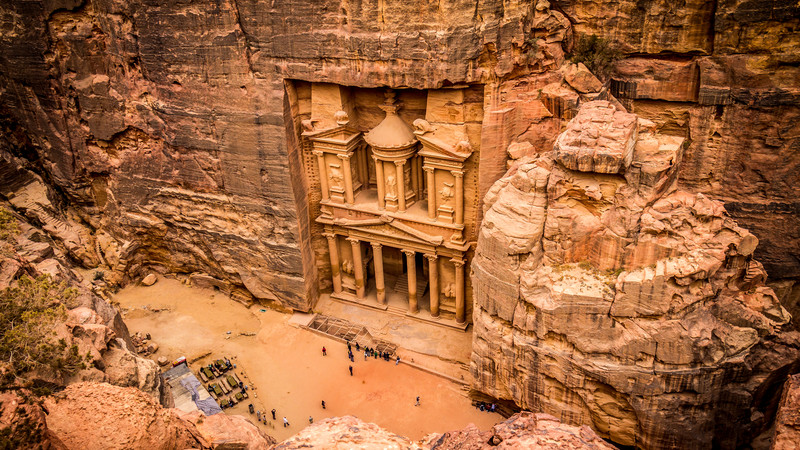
(787, 423)
(521, 431)
(620, 301)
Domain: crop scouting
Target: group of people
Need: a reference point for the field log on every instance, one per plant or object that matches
(369, 352)
(483, 406)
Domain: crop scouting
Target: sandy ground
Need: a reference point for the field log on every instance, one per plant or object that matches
(286, 367)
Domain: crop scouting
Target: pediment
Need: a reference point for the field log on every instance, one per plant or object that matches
(436, 148)
(389, 227)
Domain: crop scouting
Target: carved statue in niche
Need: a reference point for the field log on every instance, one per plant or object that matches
(449, 290)
(354, 168)
(447, 191)
(391, 185)
(341, 118)
(347, 267)
(407, 177)
(336, 176)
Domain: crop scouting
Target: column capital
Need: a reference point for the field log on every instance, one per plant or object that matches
(330, 235)
(409, 253)
(376, 245)
(353, 240)
(400, 162)
(431, 256)
(457, 173)
(318, 152)
(344, 157)
(428, 168)
(458, 262)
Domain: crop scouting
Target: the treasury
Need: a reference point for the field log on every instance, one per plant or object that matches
(399, 224)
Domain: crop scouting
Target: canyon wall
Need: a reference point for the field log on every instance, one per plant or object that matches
(607, 295)
(724, 74)
(167, 127)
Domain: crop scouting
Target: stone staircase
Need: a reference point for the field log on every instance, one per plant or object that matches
(401, 288)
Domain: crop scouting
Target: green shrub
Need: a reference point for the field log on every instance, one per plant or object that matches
(597, 54)
(29, 314)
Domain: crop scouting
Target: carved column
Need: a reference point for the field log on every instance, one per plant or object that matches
(323, 175)
(348, 178)
(412, 281)
(358, 267)
(377, 258)
(420, 176)
(431, 194)
(433, 271)
(401, 185)
(459, 196)
(461, 312)
(333, 250)
(380, 181)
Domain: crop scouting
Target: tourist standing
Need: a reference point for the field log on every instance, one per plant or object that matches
(398, 361)
(323, 404)
(273, 414)
(285, 422)
(366, 354)
(351, 370)
(310, 419)
(417, 404)
(324, 352)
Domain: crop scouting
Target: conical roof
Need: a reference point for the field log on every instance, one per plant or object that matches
(392, 132)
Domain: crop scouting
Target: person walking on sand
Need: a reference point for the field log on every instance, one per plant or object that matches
(323, 404)
(398, 361)
(324, 352)
(366, 354)
(351, 370)
(273, 414)
(285, 422)
(310, 420)
(417, 404)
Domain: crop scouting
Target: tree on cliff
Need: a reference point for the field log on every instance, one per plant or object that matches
(597, 54)
(29, 314)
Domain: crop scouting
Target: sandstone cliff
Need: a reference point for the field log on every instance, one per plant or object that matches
(787, 423)
(604, 295)
(724, 75)
(167, 126)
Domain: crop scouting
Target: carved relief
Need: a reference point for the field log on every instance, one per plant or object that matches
(347, 267)
(447, 191)
(336, 176)
(391, 186)
(449, 290)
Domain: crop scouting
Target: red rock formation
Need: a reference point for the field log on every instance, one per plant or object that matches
(100, 416)
(22, 424)
(787, 422)
(617, 300)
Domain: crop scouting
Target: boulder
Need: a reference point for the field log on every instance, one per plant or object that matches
(150, 279)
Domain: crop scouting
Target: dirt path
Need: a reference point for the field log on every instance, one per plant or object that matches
(285, 364)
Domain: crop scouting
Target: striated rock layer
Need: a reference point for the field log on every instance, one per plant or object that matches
(619, 301)
(787, 423)
(168, 129)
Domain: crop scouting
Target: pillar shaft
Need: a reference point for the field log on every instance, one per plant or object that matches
(333, 250)
(377, 258)
(433, 271)
(348, 179)
(412, 281)
(358, 267)
(459, 196)
(401, 185)
(461, 311)
(323, 175)
(380, 181)
(431, 194)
